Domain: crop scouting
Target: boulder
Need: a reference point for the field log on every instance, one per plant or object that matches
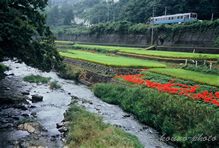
(25, 93)
(37, 98)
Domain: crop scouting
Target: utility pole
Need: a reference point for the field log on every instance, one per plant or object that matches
(212, 17)
(152, 27)
(165, 10)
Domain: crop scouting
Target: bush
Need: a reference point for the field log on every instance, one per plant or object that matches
(202, 69)
(36, 79)
(70, 72)
(54, 85)
(2, 69)
(216, 43)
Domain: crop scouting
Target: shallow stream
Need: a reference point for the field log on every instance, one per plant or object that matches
(55, 103)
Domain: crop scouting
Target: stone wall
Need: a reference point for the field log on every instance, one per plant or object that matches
(186, 39)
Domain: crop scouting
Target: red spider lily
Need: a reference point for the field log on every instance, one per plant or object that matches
(109, 54)
(92, 51)
(168, 87)
(113, 55)
(145, 69)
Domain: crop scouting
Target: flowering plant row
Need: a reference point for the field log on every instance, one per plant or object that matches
(96, 52)
(174, 88)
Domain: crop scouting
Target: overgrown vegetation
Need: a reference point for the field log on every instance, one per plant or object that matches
(54, 85)
(162, 31)
(172, 115)
(216, 43)
(36, 79)
(198, 77)
(3, 68)
(202, 69)
(6, 99)
(71, 72)
(26, 121)
(88, 130)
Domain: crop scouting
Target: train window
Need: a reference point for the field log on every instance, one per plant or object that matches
(177, 17)
(181, 17)
(155, 19)
(172, 18)
(169, 18)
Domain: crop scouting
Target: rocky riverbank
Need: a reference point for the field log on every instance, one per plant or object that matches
(45, 113)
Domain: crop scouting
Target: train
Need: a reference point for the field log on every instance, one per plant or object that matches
(175, 18)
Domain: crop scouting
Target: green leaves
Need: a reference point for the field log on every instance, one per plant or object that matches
(25, 36)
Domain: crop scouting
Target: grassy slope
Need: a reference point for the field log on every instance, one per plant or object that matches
(202, 78)
(112, 61)
(88, 131)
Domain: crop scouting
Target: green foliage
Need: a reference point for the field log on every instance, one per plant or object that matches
(36, 79)
(71, 72)
(203, 69)
(6, 99)
(68, 18)
(198, 77)
(26, 121)
(2, 69)
(139, 11)
(170, 114)
(88, 130)
(216, 43)
(25, 36)
(163, 79)
(54, 85)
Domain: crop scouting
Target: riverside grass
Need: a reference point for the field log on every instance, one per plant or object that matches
(36, 79)
(87, 130)
(112, 61)
(209, 79)
(172, 115)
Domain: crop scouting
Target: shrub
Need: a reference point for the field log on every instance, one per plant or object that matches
(216, 42)
(2, 69)
(54, 85)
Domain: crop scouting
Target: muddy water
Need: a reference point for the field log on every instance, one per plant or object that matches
(55, 102)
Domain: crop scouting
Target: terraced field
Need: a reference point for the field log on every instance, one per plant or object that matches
(112, 61)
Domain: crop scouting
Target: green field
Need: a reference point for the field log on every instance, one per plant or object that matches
(202, 78)
(108, 47)
(169, 54)
(112, 61)
(64, 42)
(142, 51)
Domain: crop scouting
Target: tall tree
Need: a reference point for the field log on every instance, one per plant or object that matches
(25, 36)
(68, 18)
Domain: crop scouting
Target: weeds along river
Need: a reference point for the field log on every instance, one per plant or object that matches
(50, 111)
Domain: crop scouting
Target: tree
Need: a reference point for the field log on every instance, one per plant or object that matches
(68, 17)
(25, 36)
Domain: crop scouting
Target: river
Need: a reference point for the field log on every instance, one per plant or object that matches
(55, 103)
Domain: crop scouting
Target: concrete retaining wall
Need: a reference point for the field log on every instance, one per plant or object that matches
(186, 39)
